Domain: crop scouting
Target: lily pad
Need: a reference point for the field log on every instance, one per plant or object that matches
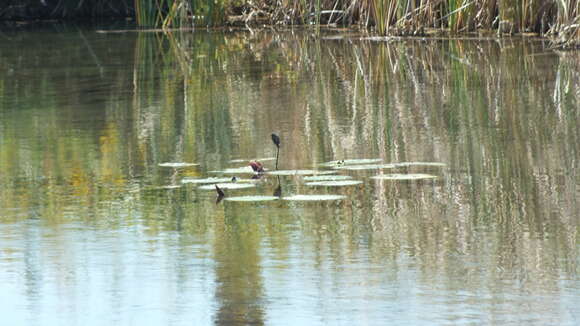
(227, 186)
(352, 162)
(241, 160)
(366, 167)
(242, 180)
(420, 164)
(327, 178)
(300, 172)
(252, 198)
(177, 165)
(411, 176)
(240, 170)
(205, 180)
(314, 197)
(338, 183)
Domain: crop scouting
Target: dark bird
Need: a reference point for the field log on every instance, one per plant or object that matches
(276, 140)
(257, 166)
(220, 193)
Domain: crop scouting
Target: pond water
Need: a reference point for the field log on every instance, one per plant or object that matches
(93, 231)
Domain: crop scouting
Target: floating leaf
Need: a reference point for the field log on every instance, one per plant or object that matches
(206, 180)
(352, 162)
(420, 164)
(337, 183)
(227, 186)
(365, 167)
(327, 178)
(240, 170)
(177, 165)
(300, 172)
(252, 198)
(243, 180)
(241, 160)
(394, 176)
(314, 197)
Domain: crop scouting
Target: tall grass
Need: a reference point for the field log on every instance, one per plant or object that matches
(557, 18)
(180, 13)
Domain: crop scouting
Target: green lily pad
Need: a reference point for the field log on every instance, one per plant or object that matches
(177, 165)
(241, 160)
(411, 176)
(351, 162)
(420, 164)
(327, 178)
(365, 167)
(338, 183)
(169, 187)
(205, 180)
(314, 197)
(227, 186)
(300, 172)
(252, 198)
(243, 180)
(240, 170)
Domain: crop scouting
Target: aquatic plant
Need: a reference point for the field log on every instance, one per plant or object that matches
(314, 197)
(240, 170)
(327, 178)
(398, 176)
(177, 165)
(334, 183)
(255, 198)
(558, 18)
(180, 13)
(227, 186)
(205, 180)
(361, 161)
(300, 172)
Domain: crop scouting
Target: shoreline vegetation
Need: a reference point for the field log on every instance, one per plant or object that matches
(558, 20)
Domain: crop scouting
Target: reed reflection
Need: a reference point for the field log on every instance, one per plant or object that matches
(239, 293)
(501, 217)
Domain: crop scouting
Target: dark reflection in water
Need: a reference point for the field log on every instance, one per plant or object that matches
(238, 271)
(94, 231)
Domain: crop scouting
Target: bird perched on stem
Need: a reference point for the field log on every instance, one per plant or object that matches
(276, 140)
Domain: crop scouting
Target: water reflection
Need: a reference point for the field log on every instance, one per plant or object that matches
(88, 230)
(238, 271)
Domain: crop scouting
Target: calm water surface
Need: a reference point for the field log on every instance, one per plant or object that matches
(91, 235)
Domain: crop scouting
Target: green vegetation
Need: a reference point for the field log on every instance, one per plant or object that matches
(557, 18)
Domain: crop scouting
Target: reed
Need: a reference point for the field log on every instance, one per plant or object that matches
(567, 23)
(180, 13)
(557, 18)
(560, 18)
